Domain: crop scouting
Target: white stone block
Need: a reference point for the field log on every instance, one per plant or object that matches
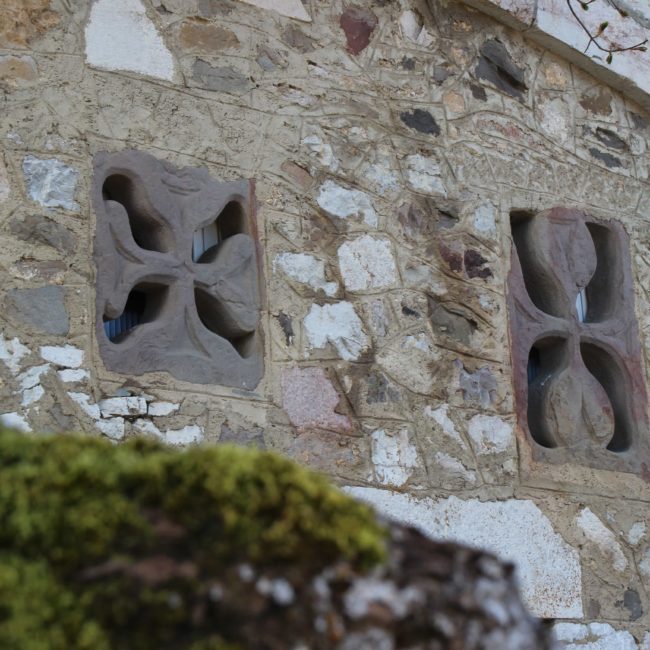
(162, 408)
(14, 421)
(70, 376)
(305, 269)
(367, 263)
(120, 36)
(185, 436)
(339, 325)
(87, 406)
(51, 182)
(123, 406)
(514, 529)
(112, 428)
(66, 356)
(343, 203)
(290, 8)
(12, 352)
(596, 531)
(490, 434)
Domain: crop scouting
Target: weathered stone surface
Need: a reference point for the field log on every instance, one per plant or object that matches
(147, 214)
(4, 181)
(496, 66)
(516, 530)
(490, 435)
(120, 36)
(310, 400)
(339, 325)
(358, 23)
(394, 456)
(206, 37)
(367, 263)
(51, 182)
(421, 121)
(23, 20)
(307, 270)
(344, 203)
(594, 636)
(423, 174)
(291, 8)
(597, 533)
(246, 437)
(65, 356)
(42, 309)
(38, 228)
(223, 79)
(17, 69)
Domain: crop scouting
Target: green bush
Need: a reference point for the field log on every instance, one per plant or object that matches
(102, 545)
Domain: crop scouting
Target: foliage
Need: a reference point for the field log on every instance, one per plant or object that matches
(105, 546)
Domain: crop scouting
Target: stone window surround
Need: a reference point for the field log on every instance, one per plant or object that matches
(563, 251)
(201, 322)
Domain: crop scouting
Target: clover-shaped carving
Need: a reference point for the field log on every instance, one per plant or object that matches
(161, 303)
(578, 380)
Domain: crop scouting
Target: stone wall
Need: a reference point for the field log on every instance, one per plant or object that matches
(389, 142)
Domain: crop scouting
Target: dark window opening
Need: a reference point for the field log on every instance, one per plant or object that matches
(142, 306)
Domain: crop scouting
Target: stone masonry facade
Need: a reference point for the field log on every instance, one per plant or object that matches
(383, 153)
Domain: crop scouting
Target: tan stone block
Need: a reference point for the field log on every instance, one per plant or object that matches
(206, 37)
(15, 69)
(22, 20)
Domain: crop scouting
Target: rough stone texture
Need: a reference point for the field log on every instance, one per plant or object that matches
(208, 335)
(587, 399)
(366, 264)
(120, 36)
(310, 400)
(339, 325)
(320, 132)
(23, 20)
(51, 182)
(42, 309)
(17, 69)
(4, 182)
(306, 269)
(358, 24)
(548, 568)
(290, 8)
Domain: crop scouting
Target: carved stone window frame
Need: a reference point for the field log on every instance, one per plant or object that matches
(198, 320)
(580, 389)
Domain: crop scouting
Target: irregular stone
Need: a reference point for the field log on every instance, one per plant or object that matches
(597, 100)
(12, 352)
(51, 182)
(15, 421)
(321, 151)
(490, 434)
(246, 437)
(423, 174)
(87, 406)
(632, 602)
(42, 309)
(449, 322)
(31, 395)
(479, 386)
(123, 406)
(343, 203)
(141, 425)
(112, 428)
(40, 229)
(290, 8)
(310, 400)
(602, 537)
(23, 20)
(421, 121)
(367, 263)
(394, 457)
(72, 376)
(379, 390)
(440, 415)
(206, 37)
(636, 533)
(15, 69)
(358, 24)
(593, 636)
(644, 565)
(306, 269)
(475, 265)
(32, 376)
(53, 272)
(612, 162)
(287, 327)
(162, 408)
(185, 436)
(548, 568)
(409, 362)
(485, 218)
(297, 39)
(412, 27)
(298, 173)
(496, 66)
(66, 356)
(222, 79)
(120, 36)
(339, 325)
(4, 181)
(453, 467)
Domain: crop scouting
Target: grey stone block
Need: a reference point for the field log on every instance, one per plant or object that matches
(42, 308)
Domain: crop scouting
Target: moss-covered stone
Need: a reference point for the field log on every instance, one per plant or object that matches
(106, 547)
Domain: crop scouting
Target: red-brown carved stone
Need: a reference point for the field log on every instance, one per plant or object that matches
(579, 386)
(358, 24)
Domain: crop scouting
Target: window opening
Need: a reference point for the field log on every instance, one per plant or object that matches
(581, 305)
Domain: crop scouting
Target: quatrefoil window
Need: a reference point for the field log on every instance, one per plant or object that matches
(177, 272)
(578, 379)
